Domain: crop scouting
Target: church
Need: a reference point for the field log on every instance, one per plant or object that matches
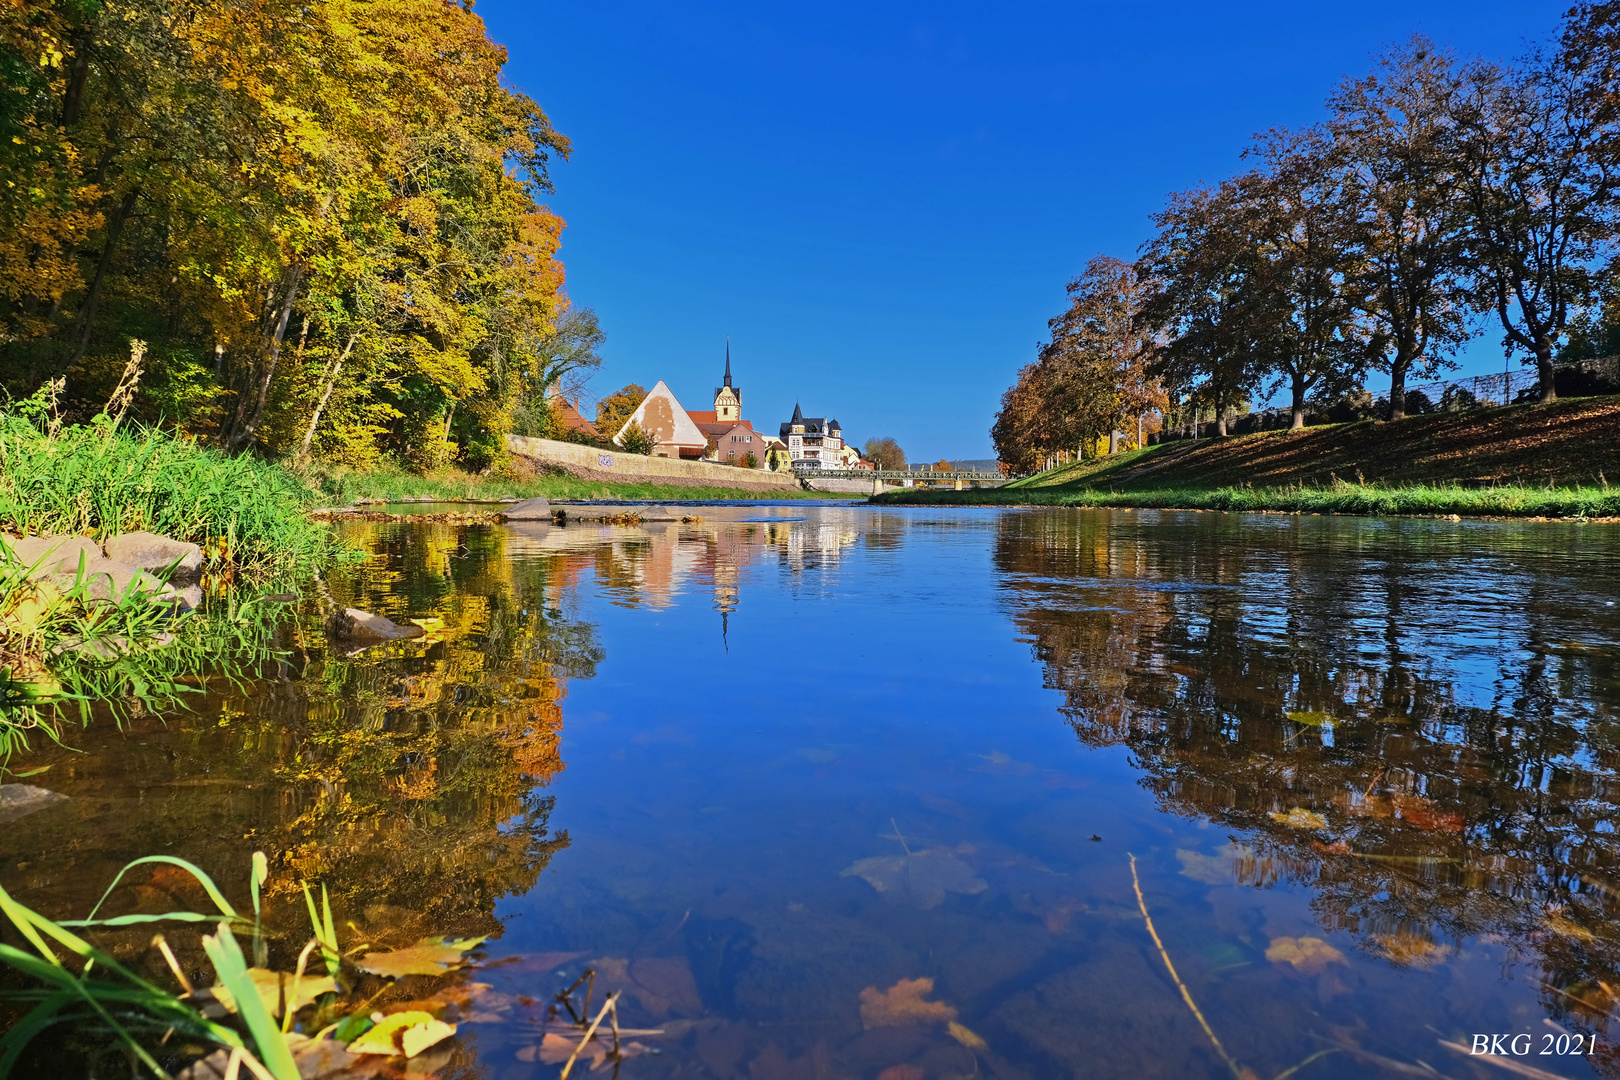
(679, 432)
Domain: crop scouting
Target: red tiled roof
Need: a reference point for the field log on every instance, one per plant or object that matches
(572, 419)
(701, 418)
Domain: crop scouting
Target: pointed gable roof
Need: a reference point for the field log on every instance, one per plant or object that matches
(661, 416)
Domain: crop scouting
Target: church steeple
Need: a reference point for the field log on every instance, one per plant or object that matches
(727, 398)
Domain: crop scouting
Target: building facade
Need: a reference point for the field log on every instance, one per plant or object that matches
(813, 442)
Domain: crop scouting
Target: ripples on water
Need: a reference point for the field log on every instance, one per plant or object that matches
(753, 767)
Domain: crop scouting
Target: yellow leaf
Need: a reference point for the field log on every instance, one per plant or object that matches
(272, 984)
(1311, 719)
(1300, 818)
(430, 956)
(1308, 954)
(407, 1033)
(966, 1036)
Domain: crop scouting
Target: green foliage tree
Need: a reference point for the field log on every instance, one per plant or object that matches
(636, 441)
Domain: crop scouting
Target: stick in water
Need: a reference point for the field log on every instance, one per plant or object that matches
(1237, 1070)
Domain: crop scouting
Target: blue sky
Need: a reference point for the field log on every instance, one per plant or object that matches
(880, 203)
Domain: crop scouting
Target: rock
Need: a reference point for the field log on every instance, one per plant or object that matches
(181, 600)
(656, 513)
(51, 554)
(109, 581)
(358, 627)
(528, 510)
(116, 645)
(19, 800)
(175, 560)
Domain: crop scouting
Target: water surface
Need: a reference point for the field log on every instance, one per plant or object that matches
(758, 770)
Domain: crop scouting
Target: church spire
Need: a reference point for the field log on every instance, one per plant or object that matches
(728, 363)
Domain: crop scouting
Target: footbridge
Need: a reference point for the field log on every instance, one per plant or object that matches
(872, 481)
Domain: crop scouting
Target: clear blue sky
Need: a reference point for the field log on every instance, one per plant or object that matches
(880, 203)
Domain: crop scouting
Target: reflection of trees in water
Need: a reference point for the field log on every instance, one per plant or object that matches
(1467, 785)
(416, 769)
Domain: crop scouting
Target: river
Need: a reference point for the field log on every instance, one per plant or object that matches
(765, 770)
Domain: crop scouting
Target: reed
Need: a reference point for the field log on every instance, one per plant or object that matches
(103, 478)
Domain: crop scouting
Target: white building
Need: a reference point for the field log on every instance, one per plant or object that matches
(814, 442)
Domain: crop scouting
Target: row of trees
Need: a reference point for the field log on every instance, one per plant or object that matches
(321, 216)
(1436, 197)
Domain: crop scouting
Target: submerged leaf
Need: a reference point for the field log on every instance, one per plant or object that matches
(903, 1004)
(1312, 719)
(1308, 954)
(966, 1036)
(407, 1033)
(1300, 818)
(922, 878)
(430, 956)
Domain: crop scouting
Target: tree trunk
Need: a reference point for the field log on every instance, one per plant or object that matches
(326, 395)
(1298, 420)
(86, 321)
(1544, 369)
(1220, 420)
(1113, 441)
(244, 437)
(1397, 388)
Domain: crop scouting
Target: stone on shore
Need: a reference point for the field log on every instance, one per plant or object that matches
(528, 510)
(19, 800)
(47, 555)
(157, 554)
(357, 627)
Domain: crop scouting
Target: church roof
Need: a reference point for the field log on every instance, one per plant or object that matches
(661, 416)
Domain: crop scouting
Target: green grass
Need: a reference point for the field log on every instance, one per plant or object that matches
(395, 485)
(1340, 498)
(97, 480)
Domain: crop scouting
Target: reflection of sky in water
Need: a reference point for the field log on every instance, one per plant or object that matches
(1366, 768)
(873, 696)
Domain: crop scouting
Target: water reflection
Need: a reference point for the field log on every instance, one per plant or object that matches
(1416, 721)
(1366, 768)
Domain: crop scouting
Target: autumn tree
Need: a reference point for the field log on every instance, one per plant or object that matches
(884, 453)
(614, 410)
(1395, 138)
(1193, 309)
(1536, 149)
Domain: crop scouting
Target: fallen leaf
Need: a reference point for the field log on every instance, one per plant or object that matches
(903, 1004)
(555, 1049)
(272, 984)
(407, 1033)
(1312, 719)
(430, 956)
(319, 1057)
(1409, 949)
(1420, 812)
(922, 878)
(1300, 818)
(1565, 928)
(902, 1072)
(966, 1036)
(1307, 954)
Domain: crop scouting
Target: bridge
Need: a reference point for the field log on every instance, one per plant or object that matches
(874, 480)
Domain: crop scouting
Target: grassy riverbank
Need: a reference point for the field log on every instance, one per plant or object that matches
(1340, 498)
(1517, 461)
(453, 485)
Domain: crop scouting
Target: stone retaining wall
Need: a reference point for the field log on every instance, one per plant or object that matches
(615, 466)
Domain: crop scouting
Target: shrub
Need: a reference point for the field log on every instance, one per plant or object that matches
(635, 440)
